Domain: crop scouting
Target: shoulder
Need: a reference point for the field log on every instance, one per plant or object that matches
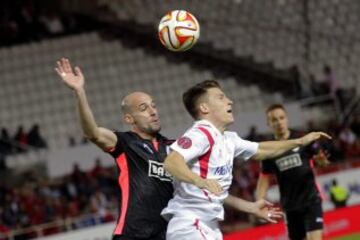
(200, 131)
(231, 134)
(128, 137)
(123, 135)
(193, 137)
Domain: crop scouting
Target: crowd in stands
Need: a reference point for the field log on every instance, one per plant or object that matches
(20, 142)
(32, 20)
(39, 200)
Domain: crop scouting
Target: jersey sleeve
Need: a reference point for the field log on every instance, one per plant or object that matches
(243, 148)
(191, 145)
(119, 147)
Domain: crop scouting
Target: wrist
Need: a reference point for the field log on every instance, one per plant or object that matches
(250, 208)
(199, 182)
(79, 91)
(299, 142)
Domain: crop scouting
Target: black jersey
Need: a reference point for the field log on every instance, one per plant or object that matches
(295, 175)
(145, 186)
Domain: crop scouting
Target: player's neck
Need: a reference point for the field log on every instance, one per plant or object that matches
(144, 135)
(283, 135)
(218, 126)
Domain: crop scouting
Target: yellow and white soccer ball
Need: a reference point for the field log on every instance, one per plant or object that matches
(179, 30)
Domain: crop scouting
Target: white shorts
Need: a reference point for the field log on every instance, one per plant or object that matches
(186, 228)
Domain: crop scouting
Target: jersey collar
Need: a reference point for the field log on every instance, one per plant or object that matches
(206, 123)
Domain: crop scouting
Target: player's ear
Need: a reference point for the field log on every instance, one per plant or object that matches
(128, 118)
(203, 108)
(267, 120)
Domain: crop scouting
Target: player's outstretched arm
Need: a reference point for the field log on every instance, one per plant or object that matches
(262, 186)
(75, 80)
(272, 149)
(177, 167)
(261, 208)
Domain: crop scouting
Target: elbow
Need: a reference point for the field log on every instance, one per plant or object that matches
(259, 156)
(91, 137)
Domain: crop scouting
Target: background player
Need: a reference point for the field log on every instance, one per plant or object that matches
(202, 163)
(139, 155)
(300, 197)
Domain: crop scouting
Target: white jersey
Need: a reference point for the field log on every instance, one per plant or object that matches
(210, 154)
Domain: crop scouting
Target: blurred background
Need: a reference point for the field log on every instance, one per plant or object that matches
(54, 184)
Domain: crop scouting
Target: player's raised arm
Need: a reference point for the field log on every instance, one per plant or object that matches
(75, 80)
(272, 149)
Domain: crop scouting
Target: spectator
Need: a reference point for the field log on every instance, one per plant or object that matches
(21, 138)
(347, 138)
(3, 228)
(2, 162)
(35, 139)
(355, 125)
(330, 80)
(80, 180)
(99, 203)
(98, 169)
(27, 20)
(52, 24)
(5, 142)
(353, 150)
(338, 194)
(297, 80)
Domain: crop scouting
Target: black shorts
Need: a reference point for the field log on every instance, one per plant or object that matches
(301, 221)
(161, 236)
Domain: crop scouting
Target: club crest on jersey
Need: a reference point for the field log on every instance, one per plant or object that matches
(184, 142)
(157, 170)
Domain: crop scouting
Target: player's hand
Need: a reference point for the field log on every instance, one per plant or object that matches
(73, 79)
(321, 159)
(266, 210)
(313, 136)
(211, 185)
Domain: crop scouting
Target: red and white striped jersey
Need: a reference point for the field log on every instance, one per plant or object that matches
(209, 153)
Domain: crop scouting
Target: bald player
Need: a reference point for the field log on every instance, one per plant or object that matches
(139, 154)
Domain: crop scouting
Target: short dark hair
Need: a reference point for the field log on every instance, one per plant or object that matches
(275, 106)
(192, 95)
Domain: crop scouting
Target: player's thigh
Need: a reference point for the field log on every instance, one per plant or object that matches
(295, 225)
(314, 235)
(314, 221)
(180, 228)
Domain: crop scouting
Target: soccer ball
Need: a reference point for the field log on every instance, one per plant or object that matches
(179, 30)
